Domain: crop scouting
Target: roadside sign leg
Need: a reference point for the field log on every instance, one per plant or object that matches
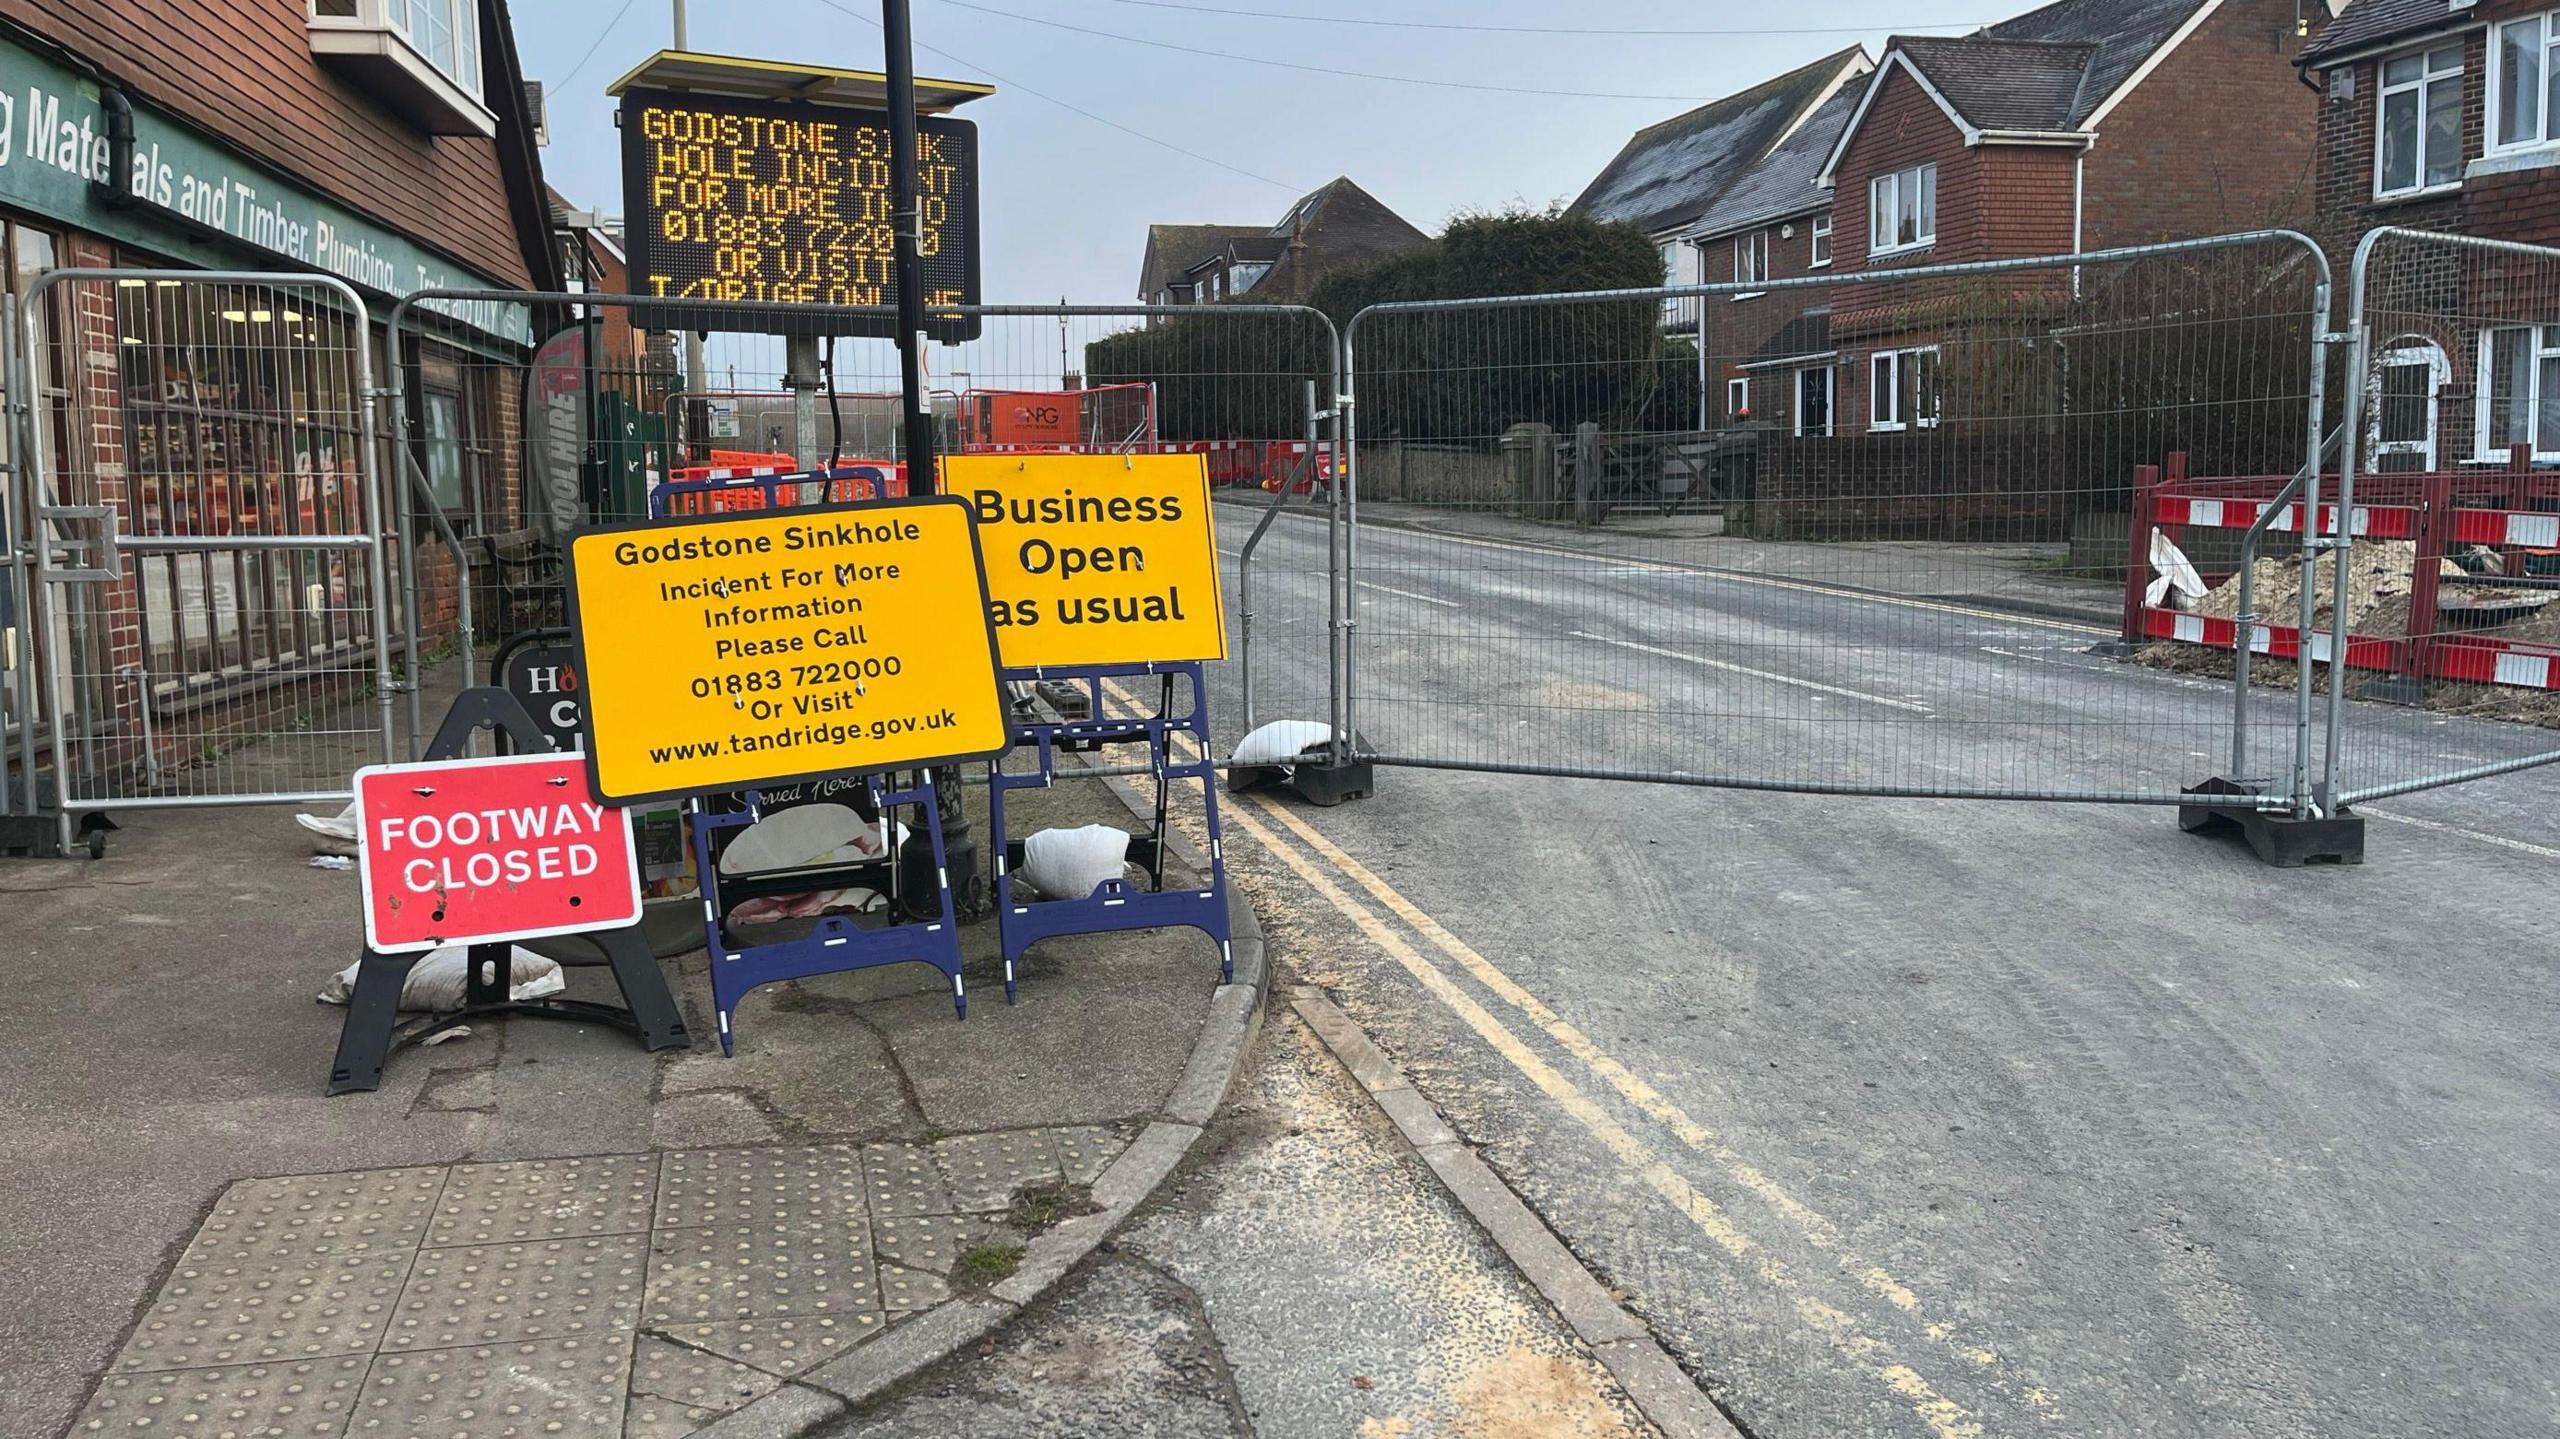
(644, 989)
(364, 1042)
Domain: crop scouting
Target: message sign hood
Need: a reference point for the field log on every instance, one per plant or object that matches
(776, 80)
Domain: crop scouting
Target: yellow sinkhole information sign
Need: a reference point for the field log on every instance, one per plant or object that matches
(723, 654)
(1096, 559)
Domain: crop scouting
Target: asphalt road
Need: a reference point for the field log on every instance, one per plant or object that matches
(1915, 1117)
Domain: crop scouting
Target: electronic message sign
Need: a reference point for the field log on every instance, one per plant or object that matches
(1096, 559)
(736, 199)
(783, 646)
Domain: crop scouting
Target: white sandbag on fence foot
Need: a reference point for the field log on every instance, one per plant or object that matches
(438, 982)
(332, 835)
(1283, 742)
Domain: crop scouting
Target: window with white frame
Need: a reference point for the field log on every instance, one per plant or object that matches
(1681, 265)
(2418, 143)
(1902, 390)
(445, 32)
(1751, 258)
(1821, 241)
(1813, 401)
(2520, 386)
(1902, 210)
(2524, 83)
(1737, 399)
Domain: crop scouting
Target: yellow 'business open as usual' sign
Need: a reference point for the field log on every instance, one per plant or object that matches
(1096, 559)
(783, 646)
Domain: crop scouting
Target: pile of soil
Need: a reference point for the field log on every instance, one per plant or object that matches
(2378, 586)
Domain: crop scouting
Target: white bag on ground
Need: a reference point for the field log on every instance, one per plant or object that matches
(438, 981)
(1283, 742)
(331, 836)
(1072, 863)
(2172, 571)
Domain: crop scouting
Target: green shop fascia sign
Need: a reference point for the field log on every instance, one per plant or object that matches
(201, 204)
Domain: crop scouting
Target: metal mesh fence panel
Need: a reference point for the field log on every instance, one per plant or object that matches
(1849, 533)
(626, 398)
(2450, 605)
(201, 493)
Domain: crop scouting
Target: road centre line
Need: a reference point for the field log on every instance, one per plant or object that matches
(1757, 674)
(1944, 1417)
(1410, 595)
(2440, 827)
(1631, 564)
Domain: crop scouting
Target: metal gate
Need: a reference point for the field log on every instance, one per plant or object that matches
(194, 491)
(2446, 600)
(1846, 534)
(608, 408)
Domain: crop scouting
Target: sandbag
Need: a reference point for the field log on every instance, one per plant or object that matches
(2172, 571)
(1283, 742)
(333, 835)
(439, 981)
(808, 836)
(1073, 863)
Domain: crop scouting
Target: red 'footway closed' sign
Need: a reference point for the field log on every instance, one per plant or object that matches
(477, 850)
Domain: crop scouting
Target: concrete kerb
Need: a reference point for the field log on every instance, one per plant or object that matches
(1622, 1343)
(837, 1388)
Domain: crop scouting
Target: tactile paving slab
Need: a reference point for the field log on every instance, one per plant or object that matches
(984, 1170)
(932, 1242)
(222, 1311)
(782, 1347)
(759, 1271)
(307, 1400)
(909, 1291)
(676, 1390)
(902, 1179)
(1085, 1151)
(546, 1199)
(492, 1293)
(759, 1186)
(323, 1213)
(555, 1389)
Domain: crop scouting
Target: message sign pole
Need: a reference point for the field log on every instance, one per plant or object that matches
(907, 219)
(960, 847)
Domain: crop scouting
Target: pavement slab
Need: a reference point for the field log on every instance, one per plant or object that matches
(535, 1225)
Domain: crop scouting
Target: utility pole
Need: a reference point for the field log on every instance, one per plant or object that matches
(697, 372)
(907, 220)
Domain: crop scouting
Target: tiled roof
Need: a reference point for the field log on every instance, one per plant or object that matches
(1173, 249)
(1670, 173)
(2372, 22)
(2007, 84)
(1806, 335)
(1333, 226)
(1783, 183)
(2124, 34)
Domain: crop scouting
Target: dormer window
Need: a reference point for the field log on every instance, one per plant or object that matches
(419, 57)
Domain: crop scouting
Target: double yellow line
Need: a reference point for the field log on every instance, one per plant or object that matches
(1317, 862)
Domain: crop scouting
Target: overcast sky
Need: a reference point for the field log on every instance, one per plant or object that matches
(1067, 198)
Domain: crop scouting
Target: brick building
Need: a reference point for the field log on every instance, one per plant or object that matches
(389, 146)
(2085, 125)
(2442, 116)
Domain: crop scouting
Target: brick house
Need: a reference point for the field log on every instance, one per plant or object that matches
(1769, 353)
(2443, 116)
(2084, 125)
(1669, 177)
(1332, 227)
